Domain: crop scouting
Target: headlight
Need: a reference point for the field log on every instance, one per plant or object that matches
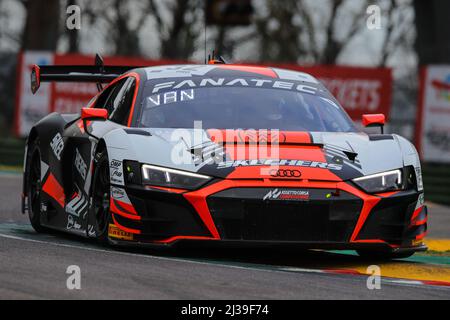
(172, 178)
(381, 182)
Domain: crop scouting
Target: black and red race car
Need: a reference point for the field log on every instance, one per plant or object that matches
(220, 154)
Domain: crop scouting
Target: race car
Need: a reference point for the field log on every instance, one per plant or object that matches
(220, 154)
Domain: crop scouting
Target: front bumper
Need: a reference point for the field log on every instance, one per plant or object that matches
(319, 215)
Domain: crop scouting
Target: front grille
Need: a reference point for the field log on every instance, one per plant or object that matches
(242, 214)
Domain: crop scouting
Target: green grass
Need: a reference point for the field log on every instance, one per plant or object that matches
(10, 169)
(434, 253)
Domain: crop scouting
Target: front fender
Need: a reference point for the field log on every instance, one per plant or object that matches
(411, 158)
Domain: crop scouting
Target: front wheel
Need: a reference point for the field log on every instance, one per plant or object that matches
(100, 197)
(384, 255)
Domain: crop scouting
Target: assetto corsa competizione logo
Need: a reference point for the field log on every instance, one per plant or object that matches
(289, 195)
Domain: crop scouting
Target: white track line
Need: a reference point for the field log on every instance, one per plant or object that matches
(140, 255)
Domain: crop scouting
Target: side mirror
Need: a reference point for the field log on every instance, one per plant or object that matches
(374, 120)
(93, 114)
(35, 78)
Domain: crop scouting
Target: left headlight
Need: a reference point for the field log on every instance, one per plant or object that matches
(381, 182)
(172, 178)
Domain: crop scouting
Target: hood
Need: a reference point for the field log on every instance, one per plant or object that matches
(318, 156)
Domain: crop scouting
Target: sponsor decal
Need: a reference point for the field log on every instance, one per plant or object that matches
(420, 201)
(419, 178)
(115, 232)
(289, 195)
(235, 82)
(72, 223)
(170, 97)
(115, 163)
(80, 164)
(285, 173)
(117, 174)
(57, 145)
(91, 231)
(278, 162)
(115, 170)
(117, 193)
(77, 204)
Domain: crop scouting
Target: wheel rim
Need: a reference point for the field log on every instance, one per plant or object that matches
(101, 198)
(35, 184)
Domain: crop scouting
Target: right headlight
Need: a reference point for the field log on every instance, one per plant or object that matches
(172, 178)
(381, 182)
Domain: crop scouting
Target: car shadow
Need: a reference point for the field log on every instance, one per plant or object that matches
(265, 256)
(289, 257)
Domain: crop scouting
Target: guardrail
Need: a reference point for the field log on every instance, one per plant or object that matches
(11, 152)
(436, 178)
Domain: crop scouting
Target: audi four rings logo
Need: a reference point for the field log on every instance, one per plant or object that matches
(284, 173)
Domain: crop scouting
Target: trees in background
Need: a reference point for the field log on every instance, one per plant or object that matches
(433, 31)
(41, 29)
(303, 31)
(178, 37)
(307, 31)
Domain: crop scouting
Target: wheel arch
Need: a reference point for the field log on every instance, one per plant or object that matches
(100, 148)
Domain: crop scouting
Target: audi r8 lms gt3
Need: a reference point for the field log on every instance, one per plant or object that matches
(220, 154)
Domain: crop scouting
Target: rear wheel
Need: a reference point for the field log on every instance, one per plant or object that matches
(34, 184)
(383, 255)
(100, 197)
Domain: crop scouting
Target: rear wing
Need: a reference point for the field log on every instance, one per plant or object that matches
(97, 73)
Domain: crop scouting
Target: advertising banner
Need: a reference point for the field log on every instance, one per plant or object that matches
(433, 134)
(31, 108)
(359, 90)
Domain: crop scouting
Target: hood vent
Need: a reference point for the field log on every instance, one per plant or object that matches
(351, 155)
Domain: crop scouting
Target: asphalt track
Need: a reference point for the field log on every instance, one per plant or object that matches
(33, 266)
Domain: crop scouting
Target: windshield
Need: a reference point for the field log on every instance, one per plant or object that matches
(238, 106)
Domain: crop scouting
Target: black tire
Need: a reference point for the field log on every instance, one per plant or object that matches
(34, 186)
(100, 193)
(384, 255)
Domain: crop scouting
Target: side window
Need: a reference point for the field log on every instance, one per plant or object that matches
(107, 97)
(123, 102)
